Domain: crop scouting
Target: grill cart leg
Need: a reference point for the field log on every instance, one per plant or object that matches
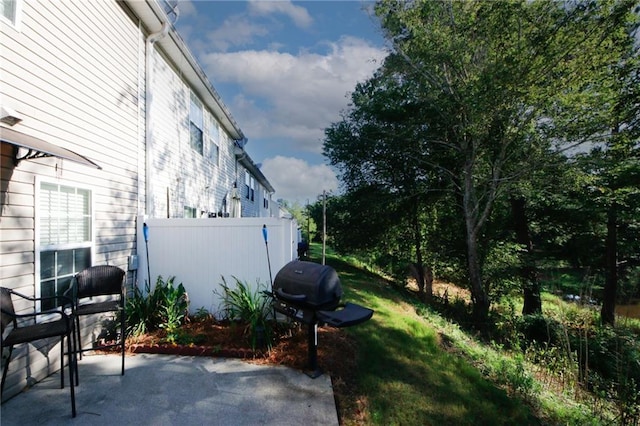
(312, 336)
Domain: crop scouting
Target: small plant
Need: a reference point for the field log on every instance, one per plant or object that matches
(201, 314)
(252, 307)
(139, 310)
(164, 307)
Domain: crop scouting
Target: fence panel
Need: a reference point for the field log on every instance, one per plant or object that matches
(199, 252)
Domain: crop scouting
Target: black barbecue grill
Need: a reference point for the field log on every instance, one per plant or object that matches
(310, 293)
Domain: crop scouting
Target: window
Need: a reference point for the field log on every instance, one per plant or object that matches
(249, 186)
(65, 235)
(9, 11)
(189, 212)
(265, 199)
(196, 124)
(214, 138)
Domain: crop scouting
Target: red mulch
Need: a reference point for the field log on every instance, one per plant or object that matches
(337, 354)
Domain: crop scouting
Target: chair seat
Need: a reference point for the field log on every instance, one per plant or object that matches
(96, 308)
(42, 331)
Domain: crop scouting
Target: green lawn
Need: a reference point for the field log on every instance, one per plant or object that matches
(408, 372)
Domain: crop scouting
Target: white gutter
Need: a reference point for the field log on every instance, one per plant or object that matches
(149, 149)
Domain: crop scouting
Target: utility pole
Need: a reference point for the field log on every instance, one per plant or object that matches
(324, 225)
(308, 223)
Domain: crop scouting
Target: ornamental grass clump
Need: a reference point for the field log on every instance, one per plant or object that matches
(249, 306)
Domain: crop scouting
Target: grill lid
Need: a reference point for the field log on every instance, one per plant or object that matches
(308, 284)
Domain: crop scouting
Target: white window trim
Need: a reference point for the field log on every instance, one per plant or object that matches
(18, 17)
(211, 142)
(39, 180)
(202, 128)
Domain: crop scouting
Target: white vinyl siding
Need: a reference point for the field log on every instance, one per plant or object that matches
(181, 176)
(73, 73)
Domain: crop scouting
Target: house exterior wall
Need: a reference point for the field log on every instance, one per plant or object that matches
(76, 83)
(180, 176)
(255, 207)
(77, 76)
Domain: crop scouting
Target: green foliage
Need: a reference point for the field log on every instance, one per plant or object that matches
(140, 310)
(164, 307)
(630, 285)
(174, 306)
(539, 330)
(252, 307)
(478, 100)
(513, 373)
(306, 221)
(201, 314)
(500, 269)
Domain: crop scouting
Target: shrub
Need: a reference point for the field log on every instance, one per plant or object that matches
(540, 329)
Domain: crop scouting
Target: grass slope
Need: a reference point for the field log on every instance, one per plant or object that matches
(407, 372)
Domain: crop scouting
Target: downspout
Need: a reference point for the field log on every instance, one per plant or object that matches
(150, 149)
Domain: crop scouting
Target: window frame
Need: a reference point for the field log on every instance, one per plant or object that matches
(17, 14)
(56, 248)
(249, 186)
(189, 212)
(213, 140)
(194, 101)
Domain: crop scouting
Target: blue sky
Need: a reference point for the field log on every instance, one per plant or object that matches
(285, 70)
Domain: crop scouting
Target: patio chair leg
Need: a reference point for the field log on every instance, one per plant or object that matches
(6, 367)
(72, 365)
(123, 336)
(75, 359)
(79, 338)
(62, 364)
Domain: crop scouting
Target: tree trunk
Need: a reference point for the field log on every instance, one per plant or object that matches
(607, 313)
(531, 288)
(426, 292)
(479, 296)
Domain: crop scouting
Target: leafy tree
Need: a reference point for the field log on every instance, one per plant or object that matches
(485, 73)
(378, 147)
(306, 222)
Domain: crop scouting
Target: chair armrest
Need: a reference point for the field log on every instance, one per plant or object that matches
(55, 311)
(68, 301)
(21, 318)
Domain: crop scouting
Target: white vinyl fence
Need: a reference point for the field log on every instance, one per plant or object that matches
(199, 252)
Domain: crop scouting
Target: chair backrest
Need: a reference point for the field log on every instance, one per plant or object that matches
(7, 312)
(100, 280)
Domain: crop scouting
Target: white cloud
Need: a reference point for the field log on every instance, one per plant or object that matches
(294, 96)
(236, 30)
(186, 8)
(298, 14)
(296, 180)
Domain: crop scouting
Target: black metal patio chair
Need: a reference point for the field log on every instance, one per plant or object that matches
(100, 280)
(28, 328)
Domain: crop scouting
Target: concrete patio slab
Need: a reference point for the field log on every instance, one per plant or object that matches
(176, 390)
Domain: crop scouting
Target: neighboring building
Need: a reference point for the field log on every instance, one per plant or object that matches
(256, 191)
(106, 116)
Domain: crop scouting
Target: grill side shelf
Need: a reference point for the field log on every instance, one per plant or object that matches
(351, 314)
